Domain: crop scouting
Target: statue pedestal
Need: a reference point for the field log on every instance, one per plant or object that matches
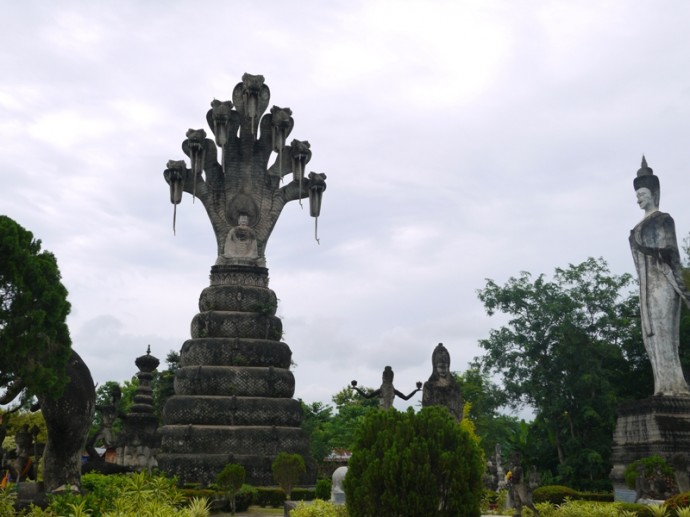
(233, 390)
(656, 426)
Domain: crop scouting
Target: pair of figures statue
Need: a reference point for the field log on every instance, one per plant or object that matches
(442, 389)
(657, 260)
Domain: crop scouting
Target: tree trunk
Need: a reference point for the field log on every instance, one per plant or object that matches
(68, 419)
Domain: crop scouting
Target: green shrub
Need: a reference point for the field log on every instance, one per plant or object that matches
(407, 463)
(230, 481)
(7, 499)
(270, 496)
(302, 494)
(319, 508)
(651, 465)
(572, 508)
(554, 494)
(601, 497)
(245, 498)
(323, 489)
(287, 469)
(125, 495)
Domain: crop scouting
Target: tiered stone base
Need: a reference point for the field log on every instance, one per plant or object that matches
(658, 425)
(233, 391)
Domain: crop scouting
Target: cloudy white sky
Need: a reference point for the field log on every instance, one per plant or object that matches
(462, 140)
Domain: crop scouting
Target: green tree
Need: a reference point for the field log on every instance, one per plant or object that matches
(570, 350)
(37, 358)
(34, 338)
(316, 423)
(230, 480)
(163, 382)
(329, 430)
(407, 463)
(287, 469)
(351, 409)
(485, 400)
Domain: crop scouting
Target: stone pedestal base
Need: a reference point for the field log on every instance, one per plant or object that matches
(656, 426)
(233, 391)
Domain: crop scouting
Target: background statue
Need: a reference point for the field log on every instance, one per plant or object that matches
(655, 252)
(387, 391)
(109, 413)
(522, 493)
(337, 489)
(442, 389)
(68, 419)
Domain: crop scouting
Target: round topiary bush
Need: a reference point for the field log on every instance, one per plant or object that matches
(407, 463)
(554, 494)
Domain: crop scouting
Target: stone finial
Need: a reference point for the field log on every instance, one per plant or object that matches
(147, 363)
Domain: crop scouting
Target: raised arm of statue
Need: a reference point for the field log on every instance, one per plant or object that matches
(366, 395)
(408, 397)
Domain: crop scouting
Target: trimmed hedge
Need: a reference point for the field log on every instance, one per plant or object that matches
(556, 494)
(275, 497)
(640, 509)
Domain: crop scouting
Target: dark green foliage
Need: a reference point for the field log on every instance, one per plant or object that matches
(104, 394)
(317, 423)
(100, 493)
(485, 399)
(273, 497)
(554, 494)
(557, 494)
(414, 464)
(572, 350)
(654, 467)
(287, 469)
(34, 338)
(230, 481)
(302, 494)
(245, 498)
(323, 489)
(162, 383)
(15, 421)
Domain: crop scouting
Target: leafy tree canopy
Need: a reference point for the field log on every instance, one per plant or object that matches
(34, 338)
(287, 469)
(572, 350)
(485, 399)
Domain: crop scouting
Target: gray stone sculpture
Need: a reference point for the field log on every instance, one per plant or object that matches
(521, 490)
(233, 390)
(139, 441)
(680, 471)
(657, 425)
(655, 252)
(387, 391)
(442, 389)
(337, 489)
(109, 414)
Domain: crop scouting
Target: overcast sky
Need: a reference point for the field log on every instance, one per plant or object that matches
(462, 140)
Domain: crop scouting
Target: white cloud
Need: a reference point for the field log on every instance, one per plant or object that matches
(462, 140)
